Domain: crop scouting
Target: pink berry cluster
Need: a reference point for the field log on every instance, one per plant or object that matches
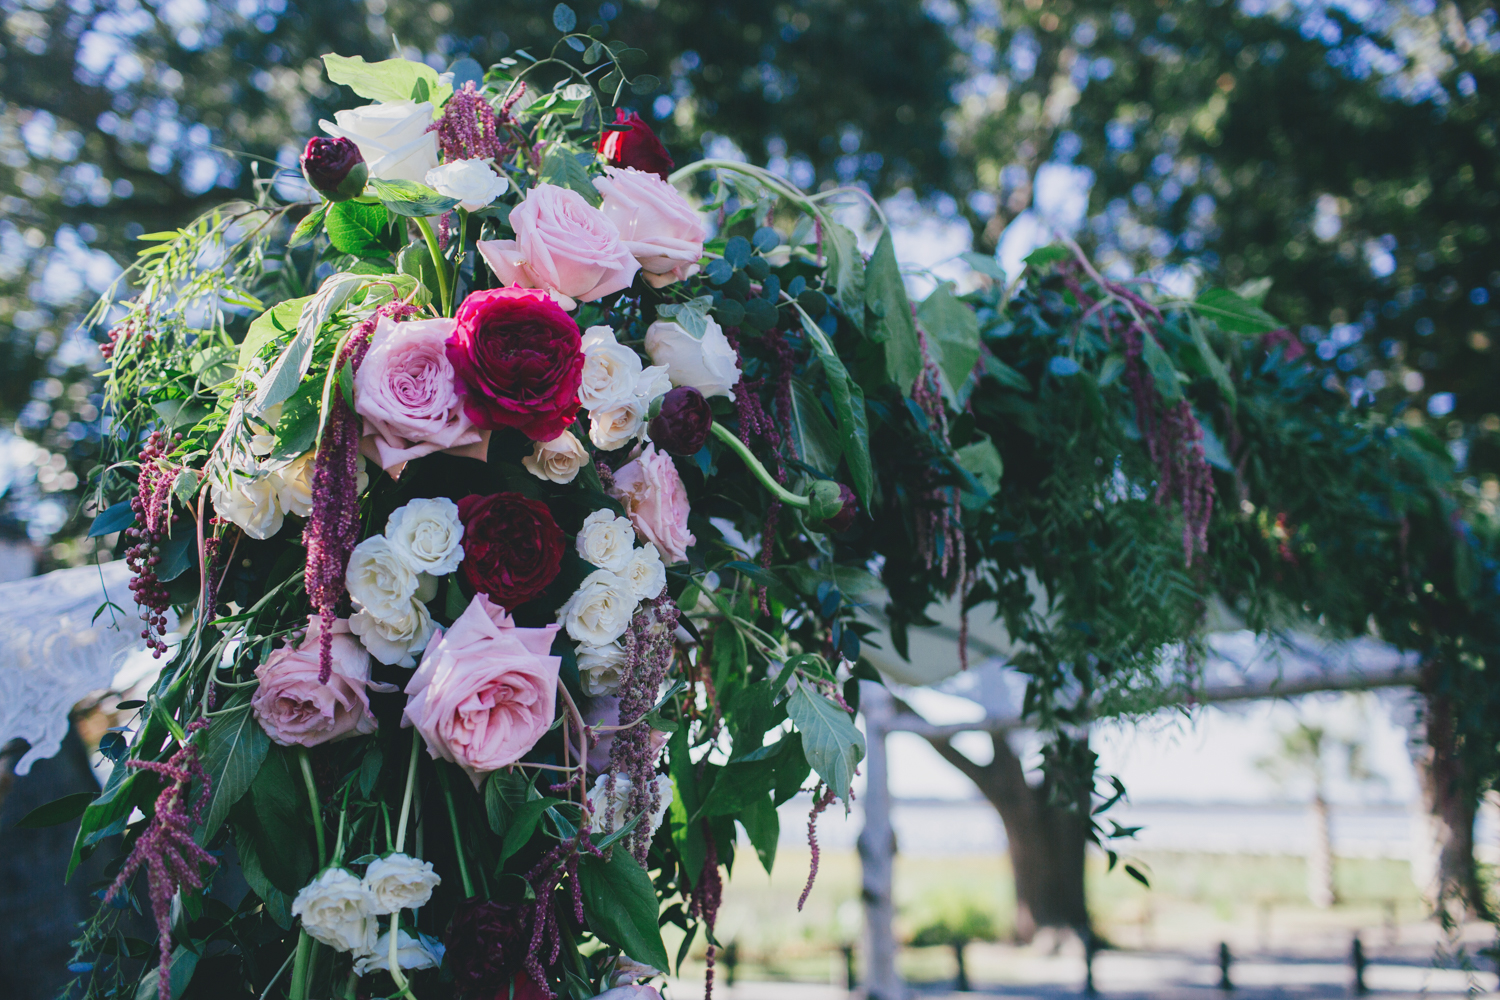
(152, 505)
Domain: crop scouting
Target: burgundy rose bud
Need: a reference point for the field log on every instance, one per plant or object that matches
(638, 147)
(833, 506)
(335, 168)
(683, 423)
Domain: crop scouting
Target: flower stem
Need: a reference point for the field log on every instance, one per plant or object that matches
(298, 990)
(411, 780)
(393, 955)
(752, 463)
(317, 807)
(439, 264)
(458, 847)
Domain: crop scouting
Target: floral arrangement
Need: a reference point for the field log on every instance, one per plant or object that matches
(514, 495)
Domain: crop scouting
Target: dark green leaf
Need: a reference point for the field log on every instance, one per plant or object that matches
(346, 383)
(1233, 313)
(274, 815)
(408, 198)
(58, 811)
(846, 268)
(357, 227)
(849, 406)
(737, 785)
(889, 317)
(813, 436)
(644, 84)
(107, 814)
(984, 264)
(1216, 369)
(737, 251)
(369, 770)
(766, 239)
(184, 964)
(564, 167)
(955, 330)
(309, 226)
(982, 461)
(832, 744)
(1043, 256)
(763, 827)
(1161, 369)
(232, 750)
(178, 554)
(523, 825)
(115, 518)
(621, 906)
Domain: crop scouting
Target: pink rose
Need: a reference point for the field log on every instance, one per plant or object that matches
(406, 391)
(653, 495)
(564, 245)
(295, 710)
(631, 991)
(485, 690)
(605, 711)
(656, 223)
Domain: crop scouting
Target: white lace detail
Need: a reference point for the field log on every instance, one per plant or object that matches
(53, 653)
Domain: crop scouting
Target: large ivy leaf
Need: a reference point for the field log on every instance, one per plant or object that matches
(849, 405)
(413, 200)
(232, 750)
(184, 964)
(358, 227)
(816, 441)
(1234, 313)
(832, 744)
(889, 315)
(846, 268)
(1161, 369)
(955, 328)
(387, 80)
(621, 906)
(561, 165)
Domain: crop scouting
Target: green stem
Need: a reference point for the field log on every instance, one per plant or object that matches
(411, 780)
(300, 967)
(741, 449)
(317, 807)
(458, 847)
(393, 955)
(439, 264)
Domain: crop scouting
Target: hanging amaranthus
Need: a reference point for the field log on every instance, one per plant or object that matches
(649, 647)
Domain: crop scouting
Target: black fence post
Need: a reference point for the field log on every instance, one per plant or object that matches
(1357, 960)
(1225, 960)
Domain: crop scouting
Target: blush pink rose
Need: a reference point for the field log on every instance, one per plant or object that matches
(295, 710)
(563, 245)
(656, 501)
(485, 691)
(656, 223)
(604, 710)
(409, 397)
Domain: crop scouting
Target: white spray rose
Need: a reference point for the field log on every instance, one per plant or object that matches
(599, 669)
(708, 365)
(421, 952)
(338, 910)
(380, 581)
(610, 369)
(394, 641)
(558, 460)
(251, 501)
(294, 486)
(614, 425)
(645, 571)
(473, 182)
(426, 535)
(609, 809)
(392, 137)
(600, 609)
(606, 540)
(400, 882)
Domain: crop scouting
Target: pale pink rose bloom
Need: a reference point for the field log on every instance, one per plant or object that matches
(605, 711)
(656, 501)
(296, 710)
(631, 991)
(657, 224)
(564, 245)
(406, 392)
(485, 691)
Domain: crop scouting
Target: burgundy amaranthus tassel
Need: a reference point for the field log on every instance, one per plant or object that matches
(561, 861)
(820, 803)
(172, 857)
(469, 128)
(650, 645)
(333, 526)
(708, 893)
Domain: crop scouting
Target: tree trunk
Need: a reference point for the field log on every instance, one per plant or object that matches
(1447, 875)
(1046, 842)
(877, 852)
(1320, 891)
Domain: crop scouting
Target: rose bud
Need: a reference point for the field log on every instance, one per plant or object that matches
(637, 147)
(833, 506)
(683, 423)
(335, 168)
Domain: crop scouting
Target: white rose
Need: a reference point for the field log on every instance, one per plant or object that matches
(338, 910)
(606, 540)
(558, 460)
(426, 535)
(421, 952)
(392, 137)
(380, 581)
(645, 571)
(400, 882)
(251, 501)
(614, 425)
(394, 641)
(294, 486)
(708, 365)
(599, 669)
(610, 369)
(609, 810)
(473, 182)
(600, 609)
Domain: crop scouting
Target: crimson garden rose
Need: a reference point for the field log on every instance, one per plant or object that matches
(519, 359)
(512, 547)
(335, 167)
(638, 147)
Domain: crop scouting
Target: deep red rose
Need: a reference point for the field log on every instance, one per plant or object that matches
(684, 422)
(512, 547)
(638, 148)
(335, 167)
(519, 360)
(486, 949)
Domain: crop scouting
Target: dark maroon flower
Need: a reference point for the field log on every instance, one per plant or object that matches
(335, 168)
(638, 147)
(683, 423)
(512, 547)
(519, 359)
(486, 949)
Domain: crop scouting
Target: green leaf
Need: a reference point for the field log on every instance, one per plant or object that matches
(115, 518)
(108, 813)
(687, 836)
(888, 315)
(813, 436)
(271, 325)
(387, 80)
(455, 604)
(1216, 369)
(738, 785)
(1160, 366)
(408, 198)
(278, 903)
(369, 770)
(763, 827)
(984, 264)
(309, 226)
(1043, 256)
(56, 812)
(274, 815)
(691, 315)
(564, 166)
(830, 741)
(982, 461)
(298, 426)
(184, 964)
(849, 406)
(846, 268)
(346, 383)
(563, 18)
(621, 906)
(1234, 313)
(523, 825)
(185, 487)
(504, 793)
(232, 750)
(955, 329)
(357, 227)
(180, 412)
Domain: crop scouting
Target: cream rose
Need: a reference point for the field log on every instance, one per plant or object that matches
(392, 137)
(400, 882)
(294, 485)
(473, 182)
(606, 540)
(394, 641)
(608, 805)
(426, 535)
(645, 571)
(338, 910)
(600, 609)
(709, 365)
(615, 425)
(599, 669)
(252, 501)
(657, 225)
(380, 581)
(419, 952)
(558, 460)
(610, 369)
